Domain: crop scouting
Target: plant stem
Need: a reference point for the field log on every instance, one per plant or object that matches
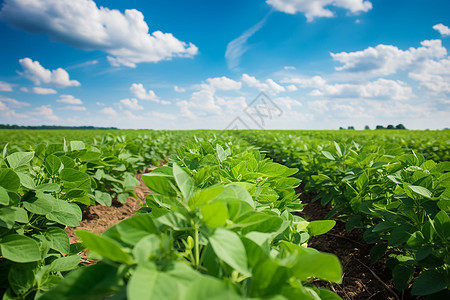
(197, 247)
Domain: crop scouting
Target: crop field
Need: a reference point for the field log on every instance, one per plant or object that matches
(224, 214)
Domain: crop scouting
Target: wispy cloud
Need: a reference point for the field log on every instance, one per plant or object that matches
(237, 47)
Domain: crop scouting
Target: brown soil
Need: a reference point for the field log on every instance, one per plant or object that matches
(362, 278)
(98, 218)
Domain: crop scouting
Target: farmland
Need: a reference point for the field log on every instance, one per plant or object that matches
(224, 218)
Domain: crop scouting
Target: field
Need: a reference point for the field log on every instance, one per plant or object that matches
(95, 214)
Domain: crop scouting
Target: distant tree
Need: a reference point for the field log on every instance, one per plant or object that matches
(341, 128)
(400, 126)
(379, 127)
(366, 127)
(351, 128)
(390, 126)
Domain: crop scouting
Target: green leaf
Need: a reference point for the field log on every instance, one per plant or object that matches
(65, 213)
(103, 198)
(214, 214)
(20, 248)
(210, 288)
(9, 180)
(148, 283)
(26, 181)
(53, 164)
(311, 263)
(58, 239)
(64, 264)
(93, 282)
(21, 277)
(159, 181)
(402, 275)
(421, 191)
(429, 282)
(103, 246)
(183, 180)
(42, 204)
(73, 179)
(133, 229)
(19, 159)
(221, 154)
(328, 155)
(378, 251)
(320, 227)
(4, 197)
(268, 278)
(228, 247)
(77, 145)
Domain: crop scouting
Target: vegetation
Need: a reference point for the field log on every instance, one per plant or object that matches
(221, 219)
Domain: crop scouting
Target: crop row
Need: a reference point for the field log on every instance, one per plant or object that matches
(397, 197)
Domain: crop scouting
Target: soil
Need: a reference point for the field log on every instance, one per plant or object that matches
(98, 218)
(362, 278)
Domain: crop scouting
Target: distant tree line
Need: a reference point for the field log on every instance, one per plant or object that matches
(7, 126)
(399, 126)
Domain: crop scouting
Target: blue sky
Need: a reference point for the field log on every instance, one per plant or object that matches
(322, 64)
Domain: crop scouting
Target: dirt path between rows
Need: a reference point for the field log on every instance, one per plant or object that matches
(363, 279)
(98, 218)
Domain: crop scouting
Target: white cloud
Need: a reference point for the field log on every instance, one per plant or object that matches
(237, 47)
(179, 89)
(287, 102)
(69, 99)
(100, 103)
(433, 75)
(223, 83)
(319, 8)
(73, 107)
(131, 104)
(289, 68)
(378, 89)
(443, 30)
(201, 103)
(13, 102)
(83, 25)
(164, 102)
(5, 87)
(269, 86)
(45, 111)
(386, 59)
(138, 90)
(109, 111)
(33, 71)
(291, 88)
(43, 91)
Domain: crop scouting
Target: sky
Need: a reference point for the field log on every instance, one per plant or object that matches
(275, 64)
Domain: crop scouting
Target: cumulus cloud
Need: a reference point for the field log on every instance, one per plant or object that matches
(81, 24)
(160, 115)
(289, 68)
(237, 47)
(33, 71)
(287, 102)
(433, 75)
(131, 104)
(5, 87)
(138, 90)
(179, 89)
(387, 59)
(378, 89)
(13, 102)
(269, 86)
(46, 112)
(223, 83)
(443, 30)
(318, 8)
(201, 103)
(43, 91)
(69, 99)
(109, 111)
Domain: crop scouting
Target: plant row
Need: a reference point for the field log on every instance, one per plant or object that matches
(44, 188)
(400, 200)
(217, 225)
